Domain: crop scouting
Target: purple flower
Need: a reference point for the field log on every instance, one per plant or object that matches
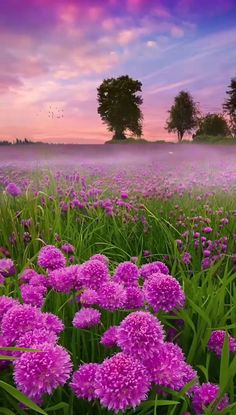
(205, 395)
(27, 274)
(63, 280)
(33, 295)
(148, 269)
(168, 368)
(52, 322)
(39, 279)
(35, 338)
(83, 381)
(121, 382)
(40, 373)
(102, 258)
(112, 296)
(68, 248)
(5, 304)
(4, 343)
(51, 258)
(207, 229)
(18, 320)
(163, 292)
(127, 274)
(186, 258)
(92, 274)
(134, 298)
(140, 334)
(216, 342)
(86, 318)
(13, 190)
(109, 338)
(88, 298)
(7, 267)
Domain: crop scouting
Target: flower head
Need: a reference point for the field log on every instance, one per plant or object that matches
(216, 342)
(111, 296)
(13, 190)
(92, 274)
(127, 274)
(63, 280)
(205, 395)
(5, 304)
(134, 298)
(83, 381)
(102, 258)
(88, 298)
(68, 248)
(33, 295)
(121, 382)
(27, 274)
(51, 258)
(163, 292)
(40, 373)
(139, 334)
(154, 267)
(7, 267)
(109, 338)
(86, 318)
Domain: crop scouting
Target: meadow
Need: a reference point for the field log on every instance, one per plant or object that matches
(138, 243)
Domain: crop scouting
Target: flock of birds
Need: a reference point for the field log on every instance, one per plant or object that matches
(53, 113)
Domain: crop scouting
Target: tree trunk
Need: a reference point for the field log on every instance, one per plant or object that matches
(119, 134)
(180, 136)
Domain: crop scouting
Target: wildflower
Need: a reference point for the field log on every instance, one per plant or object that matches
(134, 298)
(121, 382)
(127, 274)
(52, 322)
(40, 373)
(86, 318)
(13, 190)
(51, 258)
(205, 395)
(112, 296)
(27, 274)
(68, 248)
(33, 295)
(5, 304)
(139, 334)
(186, 258)
(148, 269)
(109, 338)
(35, 337)
(89, 297)
(216, 342)
(63, 279)
(83, 381)
(92, 274)
(7, 267)
(102, 258)
(207, 229)
(163, 292)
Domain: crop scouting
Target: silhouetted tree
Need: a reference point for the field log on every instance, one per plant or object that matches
(119, 106)
(183, 116)
(230, 105)
(213, 124)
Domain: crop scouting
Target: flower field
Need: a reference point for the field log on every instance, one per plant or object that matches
(117, 281)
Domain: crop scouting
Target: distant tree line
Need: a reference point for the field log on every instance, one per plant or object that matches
(19, 141)
(119, 102)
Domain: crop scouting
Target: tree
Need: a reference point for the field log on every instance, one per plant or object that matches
(230, 105)
(183, 116)
(213, 124)
(119, 106)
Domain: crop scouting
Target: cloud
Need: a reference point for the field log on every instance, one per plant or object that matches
(168, 87)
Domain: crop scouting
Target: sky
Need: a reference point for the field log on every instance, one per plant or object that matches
(55, 53)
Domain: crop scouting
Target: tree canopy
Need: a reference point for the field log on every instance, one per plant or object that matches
(230, 105)
(213, 124)
(183, 115)
(119, 102)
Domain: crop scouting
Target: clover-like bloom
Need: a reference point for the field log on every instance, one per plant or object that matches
(33, 295)
(13, 190)
(63, 280)
(86, 318)
(127, 274)
(40, 373)
(121, 382)
(109, 338)
(51, 258)
(102, 258)
(216, 342)
(92, 274)
(205, 395)
(112, 296)
(5, 304)
(7, 267)
(88, 298)
(134, 298)
(154, 267)
(163, 292)
(83, 381)
(140, 334)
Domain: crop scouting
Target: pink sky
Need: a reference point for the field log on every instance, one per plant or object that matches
(54, 54)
